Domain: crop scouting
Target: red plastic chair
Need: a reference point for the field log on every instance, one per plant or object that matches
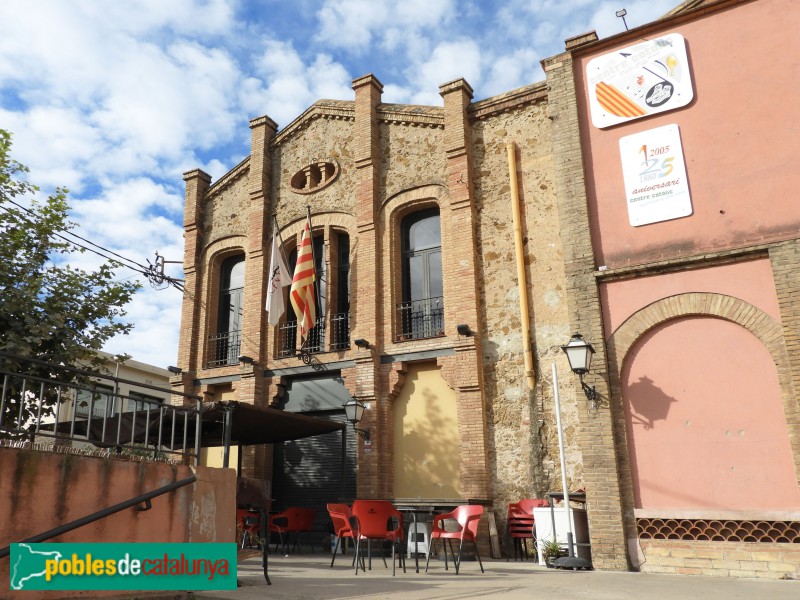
(521, 524)
(293, 520)
(371, 521)
(249, 522)
(467, 516)
(340, 515)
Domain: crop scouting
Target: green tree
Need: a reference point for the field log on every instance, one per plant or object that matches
(49, 310)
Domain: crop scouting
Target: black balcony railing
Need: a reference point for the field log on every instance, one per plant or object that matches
(420, 318)
(288, 343)
(340, 331)
(55, 404)
(224, 348)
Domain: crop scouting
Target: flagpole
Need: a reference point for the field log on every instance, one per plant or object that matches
(278, 277)
(280, 237)
(572, 561)
(314, 261)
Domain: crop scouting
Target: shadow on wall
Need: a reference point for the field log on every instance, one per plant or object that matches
(426, 443)
(648, 403)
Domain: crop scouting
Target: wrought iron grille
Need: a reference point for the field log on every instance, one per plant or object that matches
(719, 530)
(223, 348)
(421, 318)
(340, 331)
(45, 403)
(287, 337)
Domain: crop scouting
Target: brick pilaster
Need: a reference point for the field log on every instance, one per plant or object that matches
(254, 319)
(784, 258)
(189, 352)
(461, 290)
(596, 426)
(365, 311)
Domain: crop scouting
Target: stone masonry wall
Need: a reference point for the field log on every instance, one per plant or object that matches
(323, 139)
(410, 156)
(225, 212)
(525, 444)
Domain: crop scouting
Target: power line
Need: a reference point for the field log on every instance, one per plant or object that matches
(154, 272)
(30, 212)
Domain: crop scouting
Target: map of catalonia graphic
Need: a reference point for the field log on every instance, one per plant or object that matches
(29, 564)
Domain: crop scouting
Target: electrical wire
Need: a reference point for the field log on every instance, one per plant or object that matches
(148, 272)
(30, 212)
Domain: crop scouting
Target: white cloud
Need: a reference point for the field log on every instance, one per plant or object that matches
(350, 23)
(358, 24)
(449, 60)
(291, 85)
(138, 207)
(507, 72)
(157, 315)
(115, 100)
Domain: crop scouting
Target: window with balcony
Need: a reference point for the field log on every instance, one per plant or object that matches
(332, 331)
(340, 320)
(225, 344)
(421, 313)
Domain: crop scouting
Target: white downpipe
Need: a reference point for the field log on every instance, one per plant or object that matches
(563, 463)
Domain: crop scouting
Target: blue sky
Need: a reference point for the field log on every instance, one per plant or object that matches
(116, 99)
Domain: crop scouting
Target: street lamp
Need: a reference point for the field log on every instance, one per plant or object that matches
(579, 354)
(354, 412)
(621, 14)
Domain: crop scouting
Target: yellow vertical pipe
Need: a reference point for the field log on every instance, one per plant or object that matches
(521, 280)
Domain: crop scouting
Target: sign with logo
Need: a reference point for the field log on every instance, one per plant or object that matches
(655, 176)
(638, 81)
(123, 567)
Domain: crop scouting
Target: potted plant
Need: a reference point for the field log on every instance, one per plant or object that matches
(551, 551)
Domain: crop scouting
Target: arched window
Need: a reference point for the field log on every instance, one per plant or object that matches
(421, 312)
(289, 337)
(226, 343)
(340, 320)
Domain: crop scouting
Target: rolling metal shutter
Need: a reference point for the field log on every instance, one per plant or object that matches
(307, 472)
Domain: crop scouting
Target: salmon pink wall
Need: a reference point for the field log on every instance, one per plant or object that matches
(42, 490)
(750, 281)
(705, 422)
(739, 136)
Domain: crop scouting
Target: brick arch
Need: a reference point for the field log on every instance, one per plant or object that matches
(397, 378)
(714, 305)
(721, 306)
(213, 255)
(393, 211)
(337, 220)
(408, 199)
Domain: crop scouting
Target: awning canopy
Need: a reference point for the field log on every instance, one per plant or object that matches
(260, 425)
(250, 425)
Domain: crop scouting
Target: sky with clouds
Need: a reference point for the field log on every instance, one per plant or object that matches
(115, 100)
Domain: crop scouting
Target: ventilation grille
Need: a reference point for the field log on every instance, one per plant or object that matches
(719, 530)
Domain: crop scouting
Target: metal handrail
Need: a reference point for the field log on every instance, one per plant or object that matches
(34, 388)
(101, 514)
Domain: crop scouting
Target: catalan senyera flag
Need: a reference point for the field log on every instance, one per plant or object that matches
(301, 293)
(616, 102)
(278, 279)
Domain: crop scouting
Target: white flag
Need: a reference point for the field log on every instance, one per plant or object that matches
(278, 279)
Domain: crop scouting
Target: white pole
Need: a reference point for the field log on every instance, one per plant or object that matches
(563, 462)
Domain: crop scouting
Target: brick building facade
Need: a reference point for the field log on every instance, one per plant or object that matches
(411, 211)
(365, 168)
(693, 288)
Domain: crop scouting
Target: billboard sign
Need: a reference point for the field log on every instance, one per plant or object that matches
(654, 171)
(638, 81)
